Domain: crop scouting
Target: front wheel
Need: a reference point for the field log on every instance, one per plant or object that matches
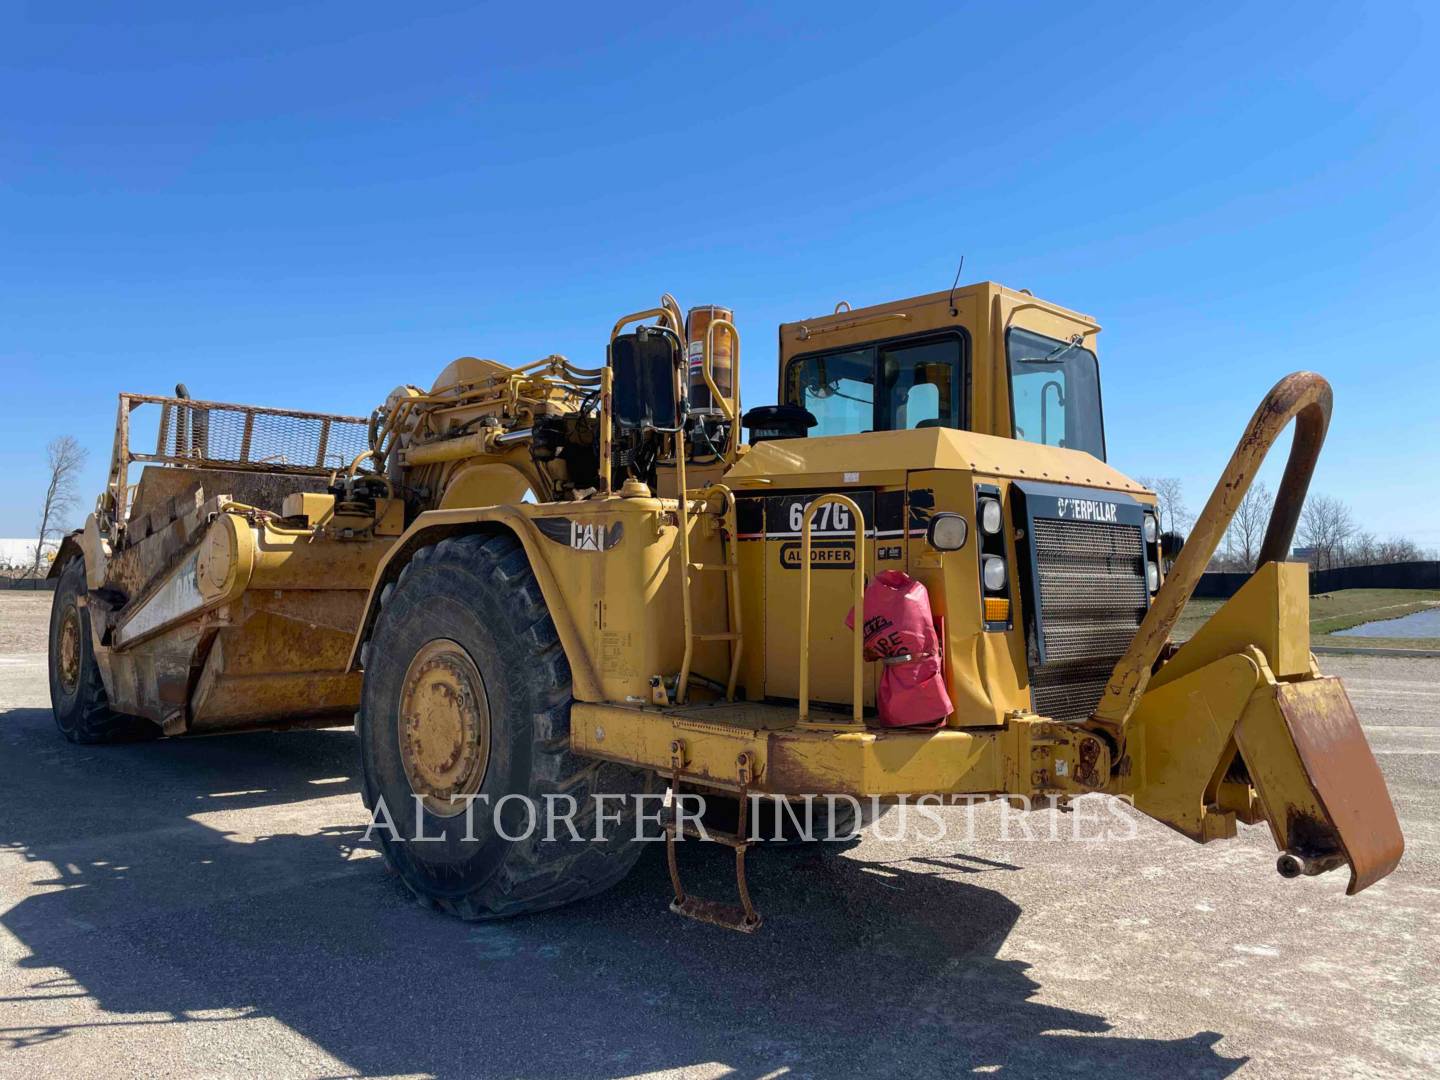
(464, 731)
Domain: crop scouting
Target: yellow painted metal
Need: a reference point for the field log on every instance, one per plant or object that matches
(313, 506)
(682, 686)
(444, 726)
(1303, 396)
(1029, 756)
(283, 610)
(464, 446)
(729, 565)
(728, 405)
(618, 612)
(663, 313)
(1270, 612)
(982, 312)
(607, 452)
(885, 457)
(1303, 764)
(857, 635)
(1176, 742)
(250, 625)
(484, 484)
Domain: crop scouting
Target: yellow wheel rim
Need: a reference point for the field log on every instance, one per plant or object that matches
(69, 659)
(444, 727)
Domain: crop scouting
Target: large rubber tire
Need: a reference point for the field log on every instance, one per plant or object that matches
(77, 693)
(478, 591)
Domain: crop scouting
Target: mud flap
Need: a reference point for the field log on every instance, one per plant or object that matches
(1322, 791)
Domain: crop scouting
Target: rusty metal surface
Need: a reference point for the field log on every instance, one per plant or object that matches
(1345, 777)
(1304, 397)
(237, 437)
(742, 916)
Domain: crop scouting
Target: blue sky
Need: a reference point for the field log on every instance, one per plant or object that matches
(306, 204)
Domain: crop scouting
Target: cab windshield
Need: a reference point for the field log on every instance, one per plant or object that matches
(1055, 392)
(888, 386)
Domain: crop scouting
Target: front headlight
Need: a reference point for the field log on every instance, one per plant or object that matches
(1152, 529)
(947, 532)
(993, 573)
(1152, 576)
(990, 516)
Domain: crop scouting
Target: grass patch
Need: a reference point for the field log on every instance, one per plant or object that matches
(1334, 611)
(1375, 642)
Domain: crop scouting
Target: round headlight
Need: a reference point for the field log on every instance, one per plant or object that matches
(1152, 576)
(990, 516)
(1152, 529)
(993, 573)
(947, 532)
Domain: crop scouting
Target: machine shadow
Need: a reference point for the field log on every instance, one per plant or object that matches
(156, 909)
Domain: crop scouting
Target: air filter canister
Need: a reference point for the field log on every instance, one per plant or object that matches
(722, 369)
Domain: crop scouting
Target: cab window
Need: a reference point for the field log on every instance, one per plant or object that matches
(1055, 392)
(889, 386)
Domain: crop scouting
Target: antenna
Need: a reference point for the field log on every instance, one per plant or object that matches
(953, 311)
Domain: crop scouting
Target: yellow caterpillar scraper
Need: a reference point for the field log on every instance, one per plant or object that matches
(668, 607)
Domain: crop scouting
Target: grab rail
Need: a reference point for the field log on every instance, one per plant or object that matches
(729, 406)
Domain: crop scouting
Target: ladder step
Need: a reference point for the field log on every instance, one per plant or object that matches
(727, 567)
(717, 637)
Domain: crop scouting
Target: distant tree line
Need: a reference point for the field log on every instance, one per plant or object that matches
(1328, 534)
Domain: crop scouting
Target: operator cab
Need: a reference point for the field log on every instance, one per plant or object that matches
(982, 358)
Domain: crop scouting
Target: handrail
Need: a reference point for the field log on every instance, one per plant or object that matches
(859, 620)
(607, 384)
(670, 304)
(1304, 397)
(731, 554)
(650, 313)
(806, 333)
(731, 569)
(729, 406)
(682, 520)
(707, 368)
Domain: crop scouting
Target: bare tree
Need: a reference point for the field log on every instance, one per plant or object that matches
(66, 458)
(1362, 549)
(1325, 526)
(1175, 516)
(1247, 527)
(1397, 549)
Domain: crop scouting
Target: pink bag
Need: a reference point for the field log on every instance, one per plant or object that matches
(898, 622)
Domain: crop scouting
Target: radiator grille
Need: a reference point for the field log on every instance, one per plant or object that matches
(1091, 599)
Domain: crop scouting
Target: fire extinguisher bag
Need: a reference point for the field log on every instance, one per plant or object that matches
(899, 623)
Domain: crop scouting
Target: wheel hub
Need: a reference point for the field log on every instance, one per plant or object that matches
(69, 667)
(444, 726)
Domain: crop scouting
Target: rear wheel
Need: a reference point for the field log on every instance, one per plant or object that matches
(464, 731)
(77, 693)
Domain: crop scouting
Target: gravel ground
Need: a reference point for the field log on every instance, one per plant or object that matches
(208, 907)
(24, 621)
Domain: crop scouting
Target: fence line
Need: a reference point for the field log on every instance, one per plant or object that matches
(1223, 584)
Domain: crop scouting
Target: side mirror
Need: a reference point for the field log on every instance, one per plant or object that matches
(643, 366)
